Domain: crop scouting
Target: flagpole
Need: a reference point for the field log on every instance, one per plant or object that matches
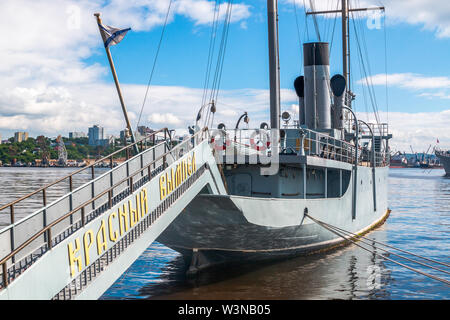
(119, 92)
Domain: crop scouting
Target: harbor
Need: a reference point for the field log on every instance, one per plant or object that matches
(345, 273)
(299, 189)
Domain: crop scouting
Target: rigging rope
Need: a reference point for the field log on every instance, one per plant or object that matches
(212, 44)
(298, 34)
(340, 232)
(316, 26)
(154, 62)
(366, 71)
(214, 91)
(385, 67)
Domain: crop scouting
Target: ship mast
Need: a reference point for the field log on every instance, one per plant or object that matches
(344, 11)
(274, 63)
(344, 42)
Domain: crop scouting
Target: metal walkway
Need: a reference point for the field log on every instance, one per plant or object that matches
(78, 245)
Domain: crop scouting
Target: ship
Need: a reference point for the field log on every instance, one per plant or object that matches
(327, 164)
(444, 158)
(399, 160)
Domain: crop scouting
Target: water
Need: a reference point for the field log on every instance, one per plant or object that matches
(419, 222)
(18, 182)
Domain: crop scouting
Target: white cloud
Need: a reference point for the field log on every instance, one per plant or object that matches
(408, 80)
(45, 84)
(164, 118)
(416, 129)
(433, 15)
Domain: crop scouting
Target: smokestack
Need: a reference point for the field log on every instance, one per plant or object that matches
(299, 85)
(337, 84)
(317, 77)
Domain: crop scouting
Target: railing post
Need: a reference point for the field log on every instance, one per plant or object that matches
(49, 238)
(83, 218)
(110, 198)
(12, 213)
(71, 199)
(44, 212)
(5, 274)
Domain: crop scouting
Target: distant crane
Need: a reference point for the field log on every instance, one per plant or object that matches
(416, 159)
(62, 152)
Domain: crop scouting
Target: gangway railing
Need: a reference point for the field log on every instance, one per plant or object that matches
(30, 238)
(68, 180)
(72, 289)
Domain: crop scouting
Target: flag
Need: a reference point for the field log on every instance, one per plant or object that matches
(112, 36)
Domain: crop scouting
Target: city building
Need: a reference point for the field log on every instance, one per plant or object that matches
(123, 134)
(73, 135)
(20, 136)
(96, 134)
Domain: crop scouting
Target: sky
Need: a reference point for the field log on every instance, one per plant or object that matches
(55, 76)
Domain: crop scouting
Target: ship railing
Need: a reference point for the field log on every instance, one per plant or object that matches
(442, 153)
(24, 241)
(324, 146)
(307, 142)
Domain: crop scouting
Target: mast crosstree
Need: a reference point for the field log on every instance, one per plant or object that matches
(345, 10)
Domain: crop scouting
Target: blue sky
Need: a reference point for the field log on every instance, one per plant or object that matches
(57, 78)
(183, 56)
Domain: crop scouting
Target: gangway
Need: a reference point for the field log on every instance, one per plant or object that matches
(77, 246)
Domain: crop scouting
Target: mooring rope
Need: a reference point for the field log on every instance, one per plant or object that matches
(327, 226)
(389, 246)
(368, 241)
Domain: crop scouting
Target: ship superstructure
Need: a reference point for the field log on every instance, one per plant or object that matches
(444, 157)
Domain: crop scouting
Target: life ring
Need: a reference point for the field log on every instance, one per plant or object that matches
(254, 145)
(220, 147)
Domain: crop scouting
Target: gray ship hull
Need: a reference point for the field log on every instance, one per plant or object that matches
(216, 229)
(445, 160)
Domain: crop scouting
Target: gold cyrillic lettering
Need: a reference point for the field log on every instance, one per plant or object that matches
(144, 202)
(134, 213)
(178, 175)
(169, 183)
(162, 186)
(73, 258)
(112, 235)
(189, 165)
(102, 244)
(87, 244)
(123, 219)
(185, 169)
(194, 167)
